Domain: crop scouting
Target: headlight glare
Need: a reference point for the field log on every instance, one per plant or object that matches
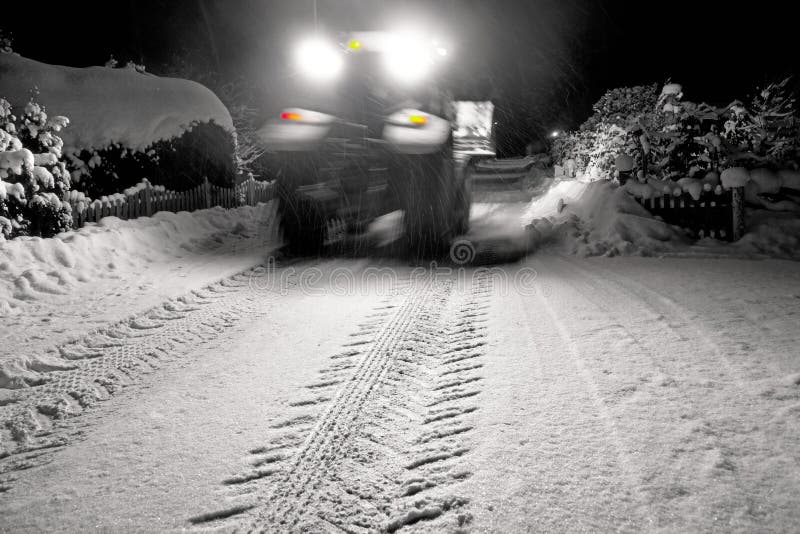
(318, 59)
(408, 59)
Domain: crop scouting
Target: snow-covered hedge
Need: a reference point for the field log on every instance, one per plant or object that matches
(127, 125)
(672, 138)
(33, 178)
(204, 150)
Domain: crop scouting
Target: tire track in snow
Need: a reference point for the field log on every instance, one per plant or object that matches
(680, 318)
(595, 418)
(384, 453)
(108, 359)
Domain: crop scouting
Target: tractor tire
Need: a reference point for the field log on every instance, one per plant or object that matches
(433, 202)
(462, 209)
(302, 222)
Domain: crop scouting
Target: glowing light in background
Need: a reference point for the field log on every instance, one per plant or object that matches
(318, 59)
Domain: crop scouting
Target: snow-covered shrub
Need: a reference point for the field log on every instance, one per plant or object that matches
(622, 106)
(764, 132)
(673, 138)
(610, 140)
(683, 138)
(695, 138)
(33, 178)
(204, 150)
(127, 125)
(574, 146)
(612, 129)
(5, 43)
(239, 96)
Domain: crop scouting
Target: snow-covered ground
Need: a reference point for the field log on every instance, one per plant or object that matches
(586, 398)
(52, 290)
(554, 393)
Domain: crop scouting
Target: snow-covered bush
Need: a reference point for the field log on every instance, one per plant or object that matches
(611, 130)
(574, 146)
(622, 106)
(673, 138)
(5, 43)
(765, 132)
(203, 150)
(239, 96)
(33, 178)
(127, 124)
(682, 137)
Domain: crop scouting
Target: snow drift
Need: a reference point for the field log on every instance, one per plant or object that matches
(108, 106)
(106, 271)
(601, 218)
(598, 218)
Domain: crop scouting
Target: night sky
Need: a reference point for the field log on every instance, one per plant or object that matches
(544, 62)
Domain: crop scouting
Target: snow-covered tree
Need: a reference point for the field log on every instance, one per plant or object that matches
(33, 178)
(613, 128)
(766, 131)
(673, 138)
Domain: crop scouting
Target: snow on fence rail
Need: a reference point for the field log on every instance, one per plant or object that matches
(717, 215)
(148, 199)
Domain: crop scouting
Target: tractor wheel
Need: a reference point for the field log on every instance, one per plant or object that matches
(302, 222)
(462, 209)
(430, 201)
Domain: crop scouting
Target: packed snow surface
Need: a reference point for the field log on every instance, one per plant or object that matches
(51, 288)
(554, 392)
(111, 105)
(599, 395)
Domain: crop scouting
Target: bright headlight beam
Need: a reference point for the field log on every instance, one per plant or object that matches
(408, 59)
(318, 59)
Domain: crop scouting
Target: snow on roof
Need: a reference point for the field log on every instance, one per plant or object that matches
(108, 106)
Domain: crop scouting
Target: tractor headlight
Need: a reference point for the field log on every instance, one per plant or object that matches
(408, 58)
(318, 59)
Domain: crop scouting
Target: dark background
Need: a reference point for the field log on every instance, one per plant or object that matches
(543, 62)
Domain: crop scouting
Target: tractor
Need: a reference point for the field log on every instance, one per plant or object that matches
(370, 132)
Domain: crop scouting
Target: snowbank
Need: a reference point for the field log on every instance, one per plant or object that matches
(111, 106)
(598, 218)
(67, 285)
(770, 233)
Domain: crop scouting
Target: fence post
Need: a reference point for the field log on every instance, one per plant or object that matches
(207, 191)
(251, 191)
(737, 210)
(148, 206)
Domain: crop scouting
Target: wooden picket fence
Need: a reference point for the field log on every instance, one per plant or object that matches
(720, 216)
(150, 200)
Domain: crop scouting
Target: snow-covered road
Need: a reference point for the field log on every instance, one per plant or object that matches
(555, 394)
